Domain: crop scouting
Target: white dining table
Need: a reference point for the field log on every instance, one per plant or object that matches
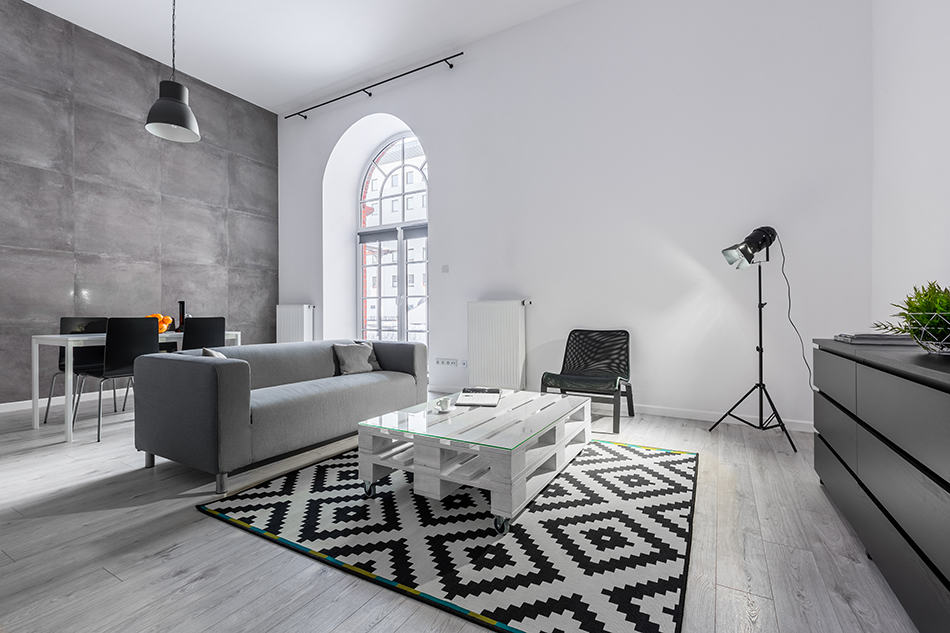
(72, 341)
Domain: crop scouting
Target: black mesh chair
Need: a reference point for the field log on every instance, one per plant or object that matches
(126, 340)
(84, 358)
(203, 332)
(596, 363)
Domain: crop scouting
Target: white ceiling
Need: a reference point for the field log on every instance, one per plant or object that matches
(287, 54)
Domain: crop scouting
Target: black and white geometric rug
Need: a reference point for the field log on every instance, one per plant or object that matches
(605, 547)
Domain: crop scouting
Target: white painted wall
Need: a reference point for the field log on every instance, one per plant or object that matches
(625, 144)
(911, 218)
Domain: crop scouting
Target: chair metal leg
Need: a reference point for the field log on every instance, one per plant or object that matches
(49, 399)
(99, 423)
(617, 411)
(78, 397)
(115, 404)
(630, 410)
(79, 380)
(126, 399)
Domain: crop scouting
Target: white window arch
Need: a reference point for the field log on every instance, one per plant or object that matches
(392, 237)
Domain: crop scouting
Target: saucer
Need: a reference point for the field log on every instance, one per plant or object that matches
(449, 410)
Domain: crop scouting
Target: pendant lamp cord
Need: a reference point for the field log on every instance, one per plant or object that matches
(173, 40)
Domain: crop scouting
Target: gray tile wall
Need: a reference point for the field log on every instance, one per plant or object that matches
(98, 217)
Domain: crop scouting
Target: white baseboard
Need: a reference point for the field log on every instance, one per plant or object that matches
(694, 414)
(603, 409)
(26, 405)
(670, 412)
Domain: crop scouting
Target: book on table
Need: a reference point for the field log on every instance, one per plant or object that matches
(875, 338)
(479, 397)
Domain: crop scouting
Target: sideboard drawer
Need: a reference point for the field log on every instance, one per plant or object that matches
(918, 504)
(835, 377)
(837, 428)
(923, 594)
(908, 414)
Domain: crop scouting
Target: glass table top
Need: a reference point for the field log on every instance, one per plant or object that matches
(519, 416)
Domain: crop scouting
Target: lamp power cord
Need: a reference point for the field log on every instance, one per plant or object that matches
(801, 341)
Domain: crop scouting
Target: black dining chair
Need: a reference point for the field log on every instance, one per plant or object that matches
(596, 363)
(203, 332)
(127, 338)
(84, 358)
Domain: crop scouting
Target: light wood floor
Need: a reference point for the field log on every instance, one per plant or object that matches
(91, 541)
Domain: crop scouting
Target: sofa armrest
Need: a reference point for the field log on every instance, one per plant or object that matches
(409, 358)
(194, 410)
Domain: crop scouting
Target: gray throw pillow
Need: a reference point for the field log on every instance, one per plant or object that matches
(212, 353)
(372, 355)
(353, 359)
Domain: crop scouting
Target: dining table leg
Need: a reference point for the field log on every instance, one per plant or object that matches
(68, 394)
(36, 384)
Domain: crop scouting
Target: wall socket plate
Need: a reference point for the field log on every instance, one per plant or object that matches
(447, 362)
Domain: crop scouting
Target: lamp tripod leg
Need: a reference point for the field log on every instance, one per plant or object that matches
(734, 407)
(778, 418)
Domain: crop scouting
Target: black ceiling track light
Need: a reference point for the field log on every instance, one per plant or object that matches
(170, 117)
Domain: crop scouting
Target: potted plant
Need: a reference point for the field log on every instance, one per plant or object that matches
(925, 316)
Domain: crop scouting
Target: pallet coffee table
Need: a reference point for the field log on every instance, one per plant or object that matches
(512, 450)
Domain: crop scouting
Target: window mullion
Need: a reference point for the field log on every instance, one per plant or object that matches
(401, 303)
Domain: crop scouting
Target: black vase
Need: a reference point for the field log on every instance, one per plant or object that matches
(181, 317)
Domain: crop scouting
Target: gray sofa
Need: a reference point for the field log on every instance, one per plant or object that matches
(263, 401)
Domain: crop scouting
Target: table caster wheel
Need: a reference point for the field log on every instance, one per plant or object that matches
(369, 488)
(502, 525)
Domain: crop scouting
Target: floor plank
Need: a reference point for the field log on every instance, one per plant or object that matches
(740, 551)
(90, 540)
(700, 606)
(430, 620)
(740, 612)
(802, 601)
(774, 492)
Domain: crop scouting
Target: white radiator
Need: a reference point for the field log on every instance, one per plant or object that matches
(496, 344)
(294, 323)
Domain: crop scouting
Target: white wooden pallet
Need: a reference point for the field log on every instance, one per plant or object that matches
(513, 450)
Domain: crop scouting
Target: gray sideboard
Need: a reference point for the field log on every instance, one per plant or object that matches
(883, 454)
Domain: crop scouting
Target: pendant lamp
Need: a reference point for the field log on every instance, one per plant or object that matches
(170, 117)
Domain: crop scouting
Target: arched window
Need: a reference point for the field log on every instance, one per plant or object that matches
(393, 243)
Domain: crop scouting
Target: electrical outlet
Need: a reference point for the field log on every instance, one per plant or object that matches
(447, 362)
(463, 363)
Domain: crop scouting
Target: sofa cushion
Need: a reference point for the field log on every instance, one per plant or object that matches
(296, 415)
(282, 363)
(373, 361)
(353, 359)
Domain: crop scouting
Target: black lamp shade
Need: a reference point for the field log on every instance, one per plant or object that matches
(170, 117)
(741, 255)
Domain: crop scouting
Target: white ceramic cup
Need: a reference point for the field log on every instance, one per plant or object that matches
(443, 404)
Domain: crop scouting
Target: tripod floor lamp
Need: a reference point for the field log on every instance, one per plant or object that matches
(742, 255)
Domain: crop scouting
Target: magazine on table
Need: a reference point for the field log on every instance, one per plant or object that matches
(479, 397)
